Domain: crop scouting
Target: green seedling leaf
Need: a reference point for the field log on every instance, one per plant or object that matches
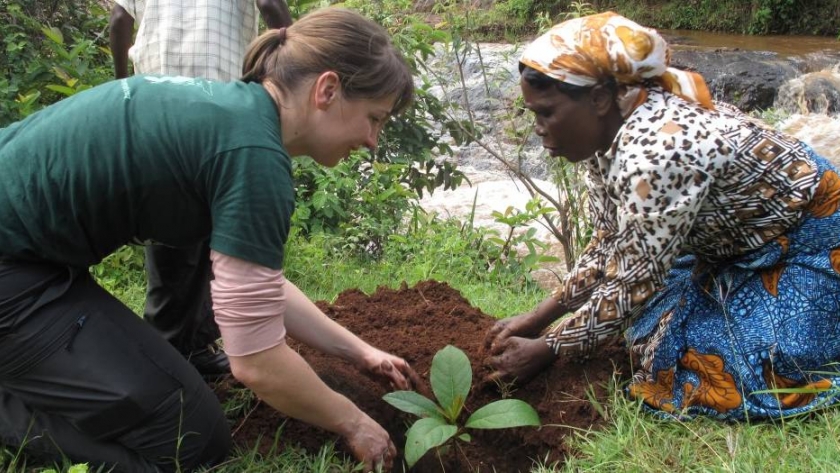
(465, 437)
(424, 435)
(413, 403)
(503, 414)
(451, 378)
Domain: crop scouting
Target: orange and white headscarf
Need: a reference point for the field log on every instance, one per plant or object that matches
(585, 50)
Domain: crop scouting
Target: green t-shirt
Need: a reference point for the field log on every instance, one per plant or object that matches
(147, 159)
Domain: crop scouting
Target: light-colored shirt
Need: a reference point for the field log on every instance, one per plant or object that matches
(678, 178)
(198, 38)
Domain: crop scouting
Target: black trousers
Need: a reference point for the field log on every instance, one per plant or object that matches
(83, 377)
(178, 300)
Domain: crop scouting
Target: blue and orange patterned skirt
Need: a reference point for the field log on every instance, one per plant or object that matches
(755, 338)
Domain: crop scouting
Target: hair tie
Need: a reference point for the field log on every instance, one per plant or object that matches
(281, 35)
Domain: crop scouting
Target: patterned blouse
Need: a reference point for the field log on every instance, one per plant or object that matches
(678, 178)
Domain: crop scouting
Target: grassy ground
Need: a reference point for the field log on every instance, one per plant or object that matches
(633, 442)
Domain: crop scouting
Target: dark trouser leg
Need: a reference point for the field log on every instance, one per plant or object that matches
(178, 296)
(45, 438)
(84, 377)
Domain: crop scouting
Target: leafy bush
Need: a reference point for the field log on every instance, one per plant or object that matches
(360, 201)
(451, 379)
(53, 49)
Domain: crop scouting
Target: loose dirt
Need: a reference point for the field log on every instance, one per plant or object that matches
(415, 323)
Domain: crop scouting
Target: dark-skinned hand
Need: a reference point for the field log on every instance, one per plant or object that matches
(518, 359)
(522, 325)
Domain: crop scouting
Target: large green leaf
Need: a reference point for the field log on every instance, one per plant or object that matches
(451, 379)
(503, 414)
(413, 403)
(426, 434)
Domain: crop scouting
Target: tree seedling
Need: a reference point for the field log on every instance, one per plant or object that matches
(451, 379)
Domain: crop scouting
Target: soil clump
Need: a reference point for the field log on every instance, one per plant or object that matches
(415, 323)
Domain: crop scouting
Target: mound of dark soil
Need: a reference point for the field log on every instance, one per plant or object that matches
(415, 323)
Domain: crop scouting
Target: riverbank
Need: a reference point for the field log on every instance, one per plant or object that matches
(513, 20)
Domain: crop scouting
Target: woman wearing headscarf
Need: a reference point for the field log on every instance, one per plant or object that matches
(716, 240)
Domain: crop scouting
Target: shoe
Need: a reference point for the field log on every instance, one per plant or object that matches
(210, 361)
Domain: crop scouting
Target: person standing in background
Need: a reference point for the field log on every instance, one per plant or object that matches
(206, 39)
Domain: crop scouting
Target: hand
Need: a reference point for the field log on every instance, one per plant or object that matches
(390, 370)
(371, 445)
(519, 359)
(522, 325)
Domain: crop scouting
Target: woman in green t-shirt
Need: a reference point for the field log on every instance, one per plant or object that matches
(174, 161)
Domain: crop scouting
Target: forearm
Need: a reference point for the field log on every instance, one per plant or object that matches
(306, 323)
(275, 13)
(121, 33)
(548, 311)
(282, 378)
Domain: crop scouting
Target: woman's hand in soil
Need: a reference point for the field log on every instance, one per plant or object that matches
(371, 445)
(528, 325)
(390, 370)
(522, 325)
(519, 359)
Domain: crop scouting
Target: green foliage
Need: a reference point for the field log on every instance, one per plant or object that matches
(437, 245)
(820, 17)
(451, 379)
(299, 8)
(515, 219)
(579, 9)
(122, 274)
(519, 9)
(771, 16)
(52, 50)
(771, 116)
(362, 202)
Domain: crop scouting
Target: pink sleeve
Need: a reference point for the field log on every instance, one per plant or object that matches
(249, 302)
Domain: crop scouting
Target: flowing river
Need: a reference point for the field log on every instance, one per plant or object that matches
(784, 46)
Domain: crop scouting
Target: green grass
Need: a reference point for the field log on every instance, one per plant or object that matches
(637, 442)
(633, 440)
